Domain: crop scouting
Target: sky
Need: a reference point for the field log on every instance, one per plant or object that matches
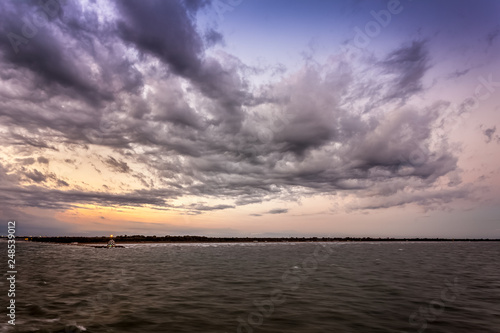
(251, 118)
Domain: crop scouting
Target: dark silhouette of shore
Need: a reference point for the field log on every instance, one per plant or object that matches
(204, 239)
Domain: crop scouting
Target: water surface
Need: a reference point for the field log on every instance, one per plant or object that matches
(258, 287)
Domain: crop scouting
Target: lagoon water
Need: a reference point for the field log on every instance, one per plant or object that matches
(258, 287)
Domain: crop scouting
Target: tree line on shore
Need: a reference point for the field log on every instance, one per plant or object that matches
(204, 239)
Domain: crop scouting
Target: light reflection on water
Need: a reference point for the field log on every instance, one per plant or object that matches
(259, 287)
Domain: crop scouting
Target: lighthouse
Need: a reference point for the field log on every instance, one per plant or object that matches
(111, 242)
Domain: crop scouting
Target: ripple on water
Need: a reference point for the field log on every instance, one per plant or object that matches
(359, 287)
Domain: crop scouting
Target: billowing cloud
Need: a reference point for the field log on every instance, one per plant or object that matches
(118, 166)
(36, 176)
(490, 134)
(203, 140)
(42, 160)
(408, 65)
(133, 87)
(278, 211)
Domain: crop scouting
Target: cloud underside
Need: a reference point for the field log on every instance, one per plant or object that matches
(135, 78)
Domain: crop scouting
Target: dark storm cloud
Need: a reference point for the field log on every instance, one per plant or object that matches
(202, 207)
(408, 64)
(456, 74)
(427, 200)
(42, 160)
(278, 211)
(26, 161)
(42, 53)
(490, 134)
(61, 183)
(20, 140)
(194, 5)
(272, 212)
(39, 177)
(165, 30)
(140, 84)
(213, 37)
(33, 196)
(118, 166)
(36, 176)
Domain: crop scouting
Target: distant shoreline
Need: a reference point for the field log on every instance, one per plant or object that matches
(77, 240)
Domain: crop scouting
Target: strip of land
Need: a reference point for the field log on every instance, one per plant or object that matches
(203, 239)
